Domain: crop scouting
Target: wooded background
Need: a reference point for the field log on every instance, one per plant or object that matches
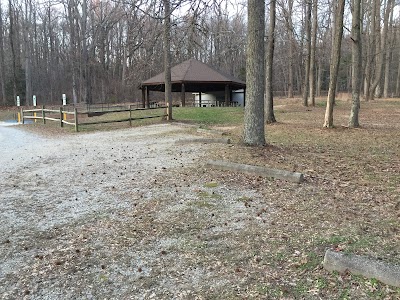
(100, 50)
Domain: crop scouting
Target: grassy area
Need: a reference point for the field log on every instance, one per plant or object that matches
(350, 201)
(209, 115)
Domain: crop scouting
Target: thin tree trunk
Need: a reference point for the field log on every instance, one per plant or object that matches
(2, 64)
(306, 85)
(28, 58)
(13, 54)
(335, 59)
(167, 58)
(388, 57)
(289, 28)
(313, 50)
(254, 132)
(319, 79)
(269, 98)
(84, 56)
(356, 63)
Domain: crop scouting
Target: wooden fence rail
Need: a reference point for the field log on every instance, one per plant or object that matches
(59, 115)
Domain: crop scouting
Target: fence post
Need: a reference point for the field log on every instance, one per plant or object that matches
(76, 119)
(61, 117)
(22, 115)
(130, 115)
(43, 115)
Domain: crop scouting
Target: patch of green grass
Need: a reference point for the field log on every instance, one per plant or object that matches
(211, 184)
(301, 289)
(313, 260)
(320, 104)
(321, 283)
(8, 114)
(333, 240)
(244, 199)
(270, 291)
(204, 194)
(203, 204)
(209, 115)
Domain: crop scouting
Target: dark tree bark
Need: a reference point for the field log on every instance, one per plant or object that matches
(269, 98)
(254, 132)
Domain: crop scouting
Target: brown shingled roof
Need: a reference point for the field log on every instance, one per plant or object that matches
(197, 76)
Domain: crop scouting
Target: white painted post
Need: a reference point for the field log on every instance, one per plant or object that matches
(19, 111)
(64, 100)
(34, 105)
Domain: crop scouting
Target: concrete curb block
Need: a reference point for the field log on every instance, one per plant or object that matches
(211, 131)
(261, 171)
(361, 265)
(203, 140)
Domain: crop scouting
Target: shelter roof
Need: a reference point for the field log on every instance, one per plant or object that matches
(197, 76)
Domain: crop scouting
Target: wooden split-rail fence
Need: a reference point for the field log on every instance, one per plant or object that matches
(44, 114)
(60, 115)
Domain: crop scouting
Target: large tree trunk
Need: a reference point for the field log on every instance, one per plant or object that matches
(356, 63)
(254, 133)
(73, 42)
(167, 58)
(335, 59)
(306, 82)
(269, 98)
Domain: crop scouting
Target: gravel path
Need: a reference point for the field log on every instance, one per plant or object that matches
(111, 215)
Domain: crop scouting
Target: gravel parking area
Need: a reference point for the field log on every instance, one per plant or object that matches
(111, 215)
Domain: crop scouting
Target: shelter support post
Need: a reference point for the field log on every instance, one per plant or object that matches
(147, 98)
(143, 97)
(199, 99)
(183, 95)
(227, 95)
(244, 97)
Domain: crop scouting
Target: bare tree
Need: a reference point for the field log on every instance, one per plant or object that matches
(167, 57)
(335, 59)
(356, 63)
(254, 133)
(2, 64)
(380, 46)
(269, 98)
(27, 35)
(313, 51)
(306, 81)
(12, 34)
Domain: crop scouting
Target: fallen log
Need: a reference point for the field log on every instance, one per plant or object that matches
(362, 265)
(261, 171)
(204, 141)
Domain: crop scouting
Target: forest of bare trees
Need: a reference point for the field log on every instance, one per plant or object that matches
(100, 50)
